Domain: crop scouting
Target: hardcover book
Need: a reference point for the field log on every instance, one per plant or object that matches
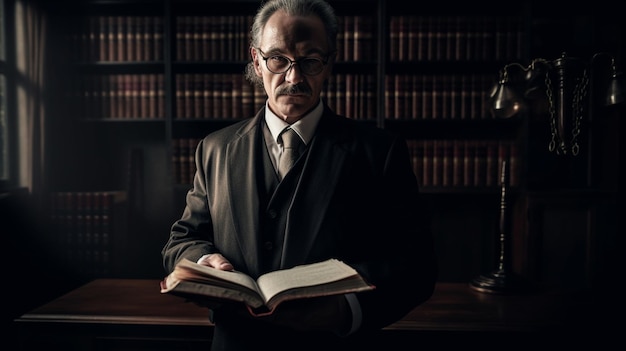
(198, 282)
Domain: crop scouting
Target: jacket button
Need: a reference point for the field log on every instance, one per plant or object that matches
(268, 245)
(272, 213)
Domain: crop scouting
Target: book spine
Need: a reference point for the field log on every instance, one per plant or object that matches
(437, 163)
(480, 164)
(468, 163)
(457, 163)
(348, 38)
(448, 159)
(177, 161)
(227, 96)
(427, 163)
(190, 160)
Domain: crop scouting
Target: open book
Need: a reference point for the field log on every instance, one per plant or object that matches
(195, 281)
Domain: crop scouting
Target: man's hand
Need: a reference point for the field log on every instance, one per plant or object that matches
(216, 261)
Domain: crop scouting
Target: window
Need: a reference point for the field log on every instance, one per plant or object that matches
(5, 94)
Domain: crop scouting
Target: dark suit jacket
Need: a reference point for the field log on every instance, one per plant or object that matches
(356, 200)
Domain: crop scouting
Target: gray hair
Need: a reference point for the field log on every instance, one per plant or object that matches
(319, 8)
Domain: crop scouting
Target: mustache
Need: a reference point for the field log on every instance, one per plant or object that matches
(294, 89)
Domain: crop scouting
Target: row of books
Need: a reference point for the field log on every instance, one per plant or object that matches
(455, 38)
(212, 38)
(216, 96)
(352, 95)
(183, 165)
(215, 38)
(230, 96)
(356, 40)
(90, 225)
(438, 96)
(465, 163)
(119, 38)
(121, 96)
(218, 38)
(436, 162)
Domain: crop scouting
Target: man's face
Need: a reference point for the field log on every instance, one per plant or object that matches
(293, 93)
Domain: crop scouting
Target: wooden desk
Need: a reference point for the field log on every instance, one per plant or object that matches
(127, 314)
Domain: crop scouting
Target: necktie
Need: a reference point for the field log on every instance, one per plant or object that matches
(291, 151)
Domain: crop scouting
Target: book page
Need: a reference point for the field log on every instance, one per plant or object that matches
(348, 285)
(323, 272)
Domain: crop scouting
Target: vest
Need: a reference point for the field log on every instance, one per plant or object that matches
(275, 199)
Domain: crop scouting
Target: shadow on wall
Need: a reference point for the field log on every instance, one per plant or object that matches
(32, 272)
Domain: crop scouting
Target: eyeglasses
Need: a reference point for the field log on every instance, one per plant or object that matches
(279, 64)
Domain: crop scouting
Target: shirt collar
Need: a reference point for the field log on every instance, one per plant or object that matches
(305, 126)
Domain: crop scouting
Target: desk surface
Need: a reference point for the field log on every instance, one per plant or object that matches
(453, 307)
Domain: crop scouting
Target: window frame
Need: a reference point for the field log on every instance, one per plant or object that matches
(8, 148)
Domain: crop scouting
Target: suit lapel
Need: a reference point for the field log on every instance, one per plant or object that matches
(243, 190)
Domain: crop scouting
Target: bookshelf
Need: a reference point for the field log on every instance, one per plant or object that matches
(146, 79)
(93, 224)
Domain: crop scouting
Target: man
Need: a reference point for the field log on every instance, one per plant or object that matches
(350, 195)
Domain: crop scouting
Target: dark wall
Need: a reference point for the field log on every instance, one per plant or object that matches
(32, 274)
